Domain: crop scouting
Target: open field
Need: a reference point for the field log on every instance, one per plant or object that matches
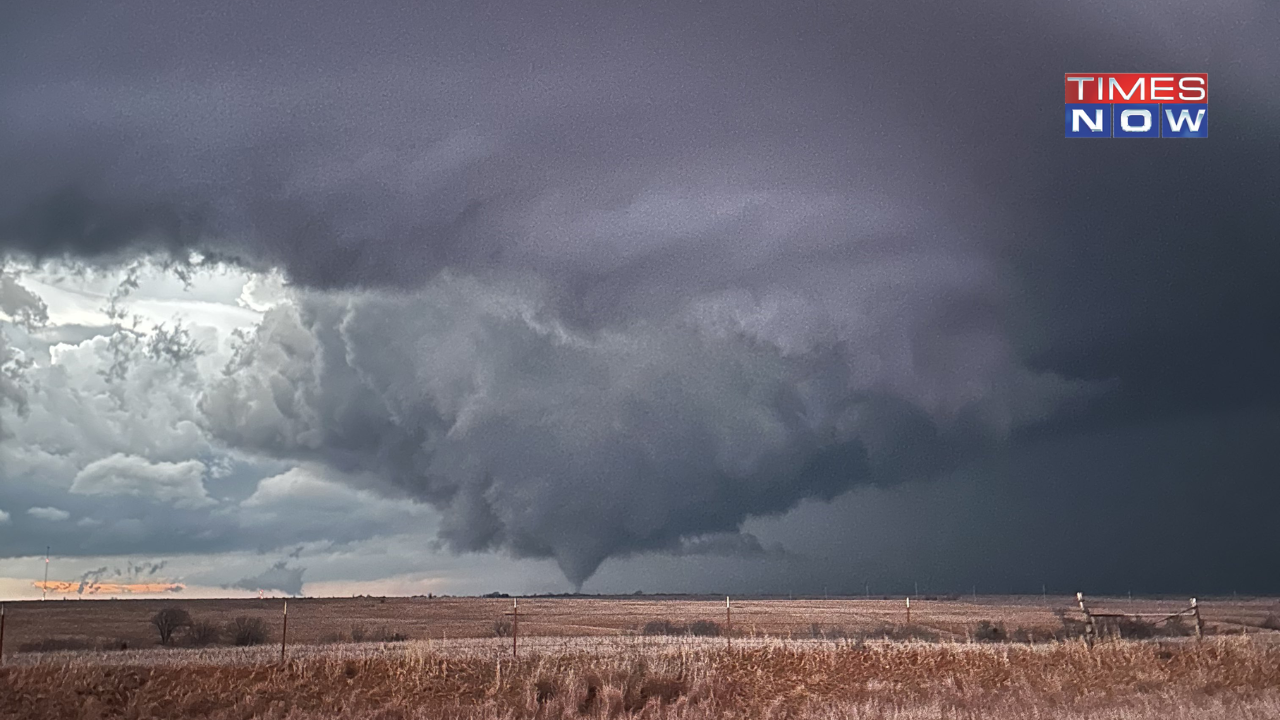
(312, 620)
(588, 657)
(1220, 678)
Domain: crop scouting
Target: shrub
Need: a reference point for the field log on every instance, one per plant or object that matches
(1072, 626)
(385, 635)
(705, 628)
(1272, 622)
(204, 632)
(361, 633)
(502, 627)
(1033, 635)
(168, 621)
(662, 627)
(246, 631)
(987, 631)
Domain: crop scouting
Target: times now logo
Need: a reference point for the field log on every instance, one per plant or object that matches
(1137, 105)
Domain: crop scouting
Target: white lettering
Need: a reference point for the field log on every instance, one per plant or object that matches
(1079, 81)
(1184, 117)
(1144, 114)
(1200, 91)
(1095, 125)
(1137, 88)
(1155, 89)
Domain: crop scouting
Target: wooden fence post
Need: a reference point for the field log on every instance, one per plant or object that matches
(1090, 630)
(515, 625)
(1195, 610)
(908, 609)
(1, 633)
(284, 630)
(728, 623)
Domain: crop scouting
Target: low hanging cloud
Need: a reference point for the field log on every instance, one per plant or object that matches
(542, 441)
(180, 483)
(52, 514)
(277, 577)
(730, 545)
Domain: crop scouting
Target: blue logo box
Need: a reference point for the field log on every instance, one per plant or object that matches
(1137, 120)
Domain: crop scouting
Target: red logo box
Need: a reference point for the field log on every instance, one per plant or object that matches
(1133, 88)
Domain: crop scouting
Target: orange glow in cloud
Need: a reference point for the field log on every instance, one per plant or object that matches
(87, 588)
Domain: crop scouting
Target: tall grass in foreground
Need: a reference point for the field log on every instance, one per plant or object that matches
(1221, 678)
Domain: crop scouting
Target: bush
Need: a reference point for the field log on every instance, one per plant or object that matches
(246, 631)
(1272, 622)
(662, 627)
(987, 631)
(502, 627)
(361, 633)
(705, 628)
(1072, 626)
(385, 635)
(1034, 635)
(204, 632)
(168, 621)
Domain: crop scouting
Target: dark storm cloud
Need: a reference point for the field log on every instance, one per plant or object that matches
(26, 312)
(544, 441)
(826, 244)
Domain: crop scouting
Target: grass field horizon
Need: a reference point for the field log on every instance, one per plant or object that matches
(110, 622)
(601, 657)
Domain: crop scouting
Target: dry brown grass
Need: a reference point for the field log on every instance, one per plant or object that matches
(789, 659)
(107, 623)
(1221, 678)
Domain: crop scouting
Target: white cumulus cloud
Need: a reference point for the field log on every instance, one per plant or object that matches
(48, 513)
(180, 483)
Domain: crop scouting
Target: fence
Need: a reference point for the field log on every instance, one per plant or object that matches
(1094, 620)
(744, 621)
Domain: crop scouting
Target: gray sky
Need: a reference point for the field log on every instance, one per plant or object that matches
(750, 297)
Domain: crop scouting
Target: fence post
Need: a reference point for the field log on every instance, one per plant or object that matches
(515, 625)
(1, 633)
(1195, 610)
(1090, 631)
(908, 609)
(728, 623)
(284, 630)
